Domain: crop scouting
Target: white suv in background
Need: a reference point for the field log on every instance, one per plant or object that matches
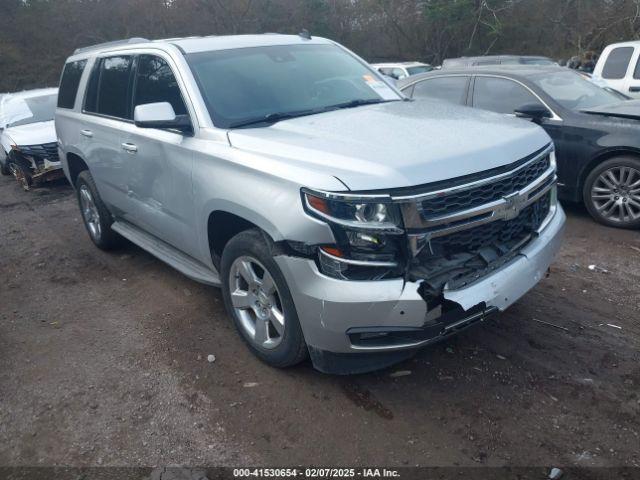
(619, 68)
(401, 70)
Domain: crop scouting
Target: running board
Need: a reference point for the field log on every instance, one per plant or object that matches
(185, 264)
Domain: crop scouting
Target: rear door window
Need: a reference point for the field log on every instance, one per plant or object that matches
(617, 63)
(501, 95)
(636, 73)
(69, 83)
(109, 90)
(449, 89)
(155, 82)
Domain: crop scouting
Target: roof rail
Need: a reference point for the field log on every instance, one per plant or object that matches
(110, 44)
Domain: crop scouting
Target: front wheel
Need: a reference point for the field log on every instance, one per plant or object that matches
(21, 174)
(4, 167)
(612, 192)
(258, 299)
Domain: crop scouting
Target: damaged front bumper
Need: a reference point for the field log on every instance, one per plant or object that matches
(341, 317)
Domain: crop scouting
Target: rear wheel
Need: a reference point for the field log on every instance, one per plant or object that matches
(612, 192)
(95, 215)
(258, 299)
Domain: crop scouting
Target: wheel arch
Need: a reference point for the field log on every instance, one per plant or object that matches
(602, 157)
(224, 223)
(75, 165)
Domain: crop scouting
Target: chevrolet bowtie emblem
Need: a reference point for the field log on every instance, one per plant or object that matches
(513, 205)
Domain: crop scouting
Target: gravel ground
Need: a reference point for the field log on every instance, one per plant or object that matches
(103, 361)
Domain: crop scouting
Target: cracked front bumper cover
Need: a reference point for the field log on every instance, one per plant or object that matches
(329, 308)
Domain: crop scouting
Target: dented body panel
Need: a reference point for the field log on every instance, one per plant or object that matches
(332, 307)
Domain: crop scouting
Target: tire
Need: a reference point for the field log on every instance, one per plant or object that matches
(21, 174)
(611, 192)
(262, 310)
(4, 167)
(96, 217)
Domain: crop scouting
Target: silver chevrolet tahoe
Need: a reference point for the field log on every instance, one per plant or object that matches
(342, 220)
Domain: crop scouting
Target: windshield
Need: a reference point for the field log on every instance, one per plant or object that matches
(573, 91)
(247, 84)
(22, 111)
(420, 69)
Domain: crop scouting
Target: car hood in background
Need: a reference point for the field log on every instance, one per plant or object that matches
(31, 134)
(625, 109)
(395, 144)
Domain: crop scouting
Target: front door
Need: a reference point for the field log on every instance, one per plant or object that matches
(159, 161)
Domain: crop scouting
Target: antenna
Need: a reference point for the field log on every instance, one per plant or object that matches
(305, 34)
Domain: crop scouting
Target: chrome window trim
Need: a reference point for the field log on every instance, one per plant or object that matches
(554, 115)
(408, 85)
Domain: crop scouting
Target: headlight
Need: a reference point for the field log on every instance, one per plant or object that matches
(368, 232)
(356, 212)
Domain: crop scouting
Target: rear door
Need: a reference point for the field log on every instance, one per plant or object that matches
(107, 109)
(452, 89)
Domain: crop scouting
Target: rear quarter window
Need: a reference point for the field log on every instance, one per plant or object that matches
(69, 83)
(617, 62)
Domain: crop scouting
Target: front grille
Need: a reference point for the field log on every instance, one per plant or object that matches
(463, 257)
(483, 194)
(494, 233)
(46, 150)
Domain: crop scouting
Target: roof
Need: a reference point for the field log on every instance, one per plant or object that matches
(630, 43)
(522, 71)
(205, 44)
(400, 64)
(6, 97)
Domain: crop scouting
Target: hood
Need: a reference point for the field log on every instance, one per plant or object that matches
(31, 134)
(395, 144)
(626, 109)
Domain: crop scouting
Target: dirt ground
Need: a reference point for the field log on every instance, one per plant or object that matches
(103, 361)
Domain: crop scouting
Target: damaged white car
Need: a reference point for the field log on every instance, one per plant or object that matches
(28, 137)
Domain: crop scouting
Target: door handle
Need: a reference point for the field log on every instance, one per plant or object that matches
(634, 89)
(86, 133)
(129, 147)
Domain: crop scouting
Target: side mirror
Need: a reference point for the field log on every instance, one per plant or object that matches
(533, 111)
(160, 115)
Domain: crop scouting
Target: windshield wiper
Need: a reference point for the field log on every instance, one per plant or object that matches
(356, 103)
(272, 118)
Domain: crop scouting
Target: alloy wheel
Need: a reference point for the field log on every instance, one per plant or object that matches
(256, 302)
(90, 212)
(616, 194)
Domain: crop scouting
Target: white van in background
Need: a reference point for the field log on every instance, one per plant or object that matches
(619, 67)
